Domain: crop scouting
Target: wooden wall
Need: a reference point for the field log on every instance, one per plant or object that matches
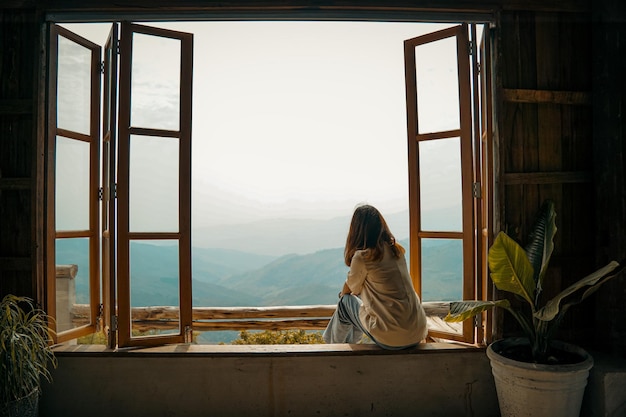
(545, 139)
(559, 131)
(609, 158)
(19, 37)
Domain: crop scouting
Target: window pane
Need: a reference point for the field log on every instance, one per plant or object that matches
(154, 283)
(74, 87)
(153, 184)
(155, 89)
(440, 184)
(72, 184)
(437, 86)
(72, 283)
(442, 269)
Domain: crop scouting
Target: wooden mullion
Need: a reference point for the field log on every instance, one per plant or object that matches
(467, 173)
(66, 234)
(50, 182)
(142, 131)
(74, 135)
(439, 135)
(184, 178)
(415, 250)
(440, 235)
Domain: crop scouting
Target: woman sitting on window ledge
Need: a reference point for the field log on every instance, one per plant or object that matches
(378, 298)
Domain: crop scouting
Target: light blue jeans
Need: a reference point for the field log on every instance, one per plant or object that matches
(345, 325)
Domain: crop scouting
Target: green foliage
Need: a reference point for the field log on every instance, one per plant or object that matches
(521, 272)
(97, 338)
(280, 337)
(25, 350)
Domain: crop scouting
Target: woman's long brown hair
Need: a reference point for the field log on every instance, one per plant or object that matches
(369, 230)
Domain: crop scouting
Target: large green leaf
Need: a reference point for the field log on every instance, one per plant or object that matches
(511, 270)
(539, 249)
(593, 280)
(463, 310)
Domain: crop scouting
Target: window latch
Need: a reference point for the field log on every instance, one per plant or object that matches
(99, 318)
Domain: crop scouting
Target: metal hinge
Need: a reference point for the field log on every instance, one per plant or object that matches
(478, 321)
(115, 190)
(100, 193)
(476, 190)
(471, 47)
(113, 323)
(101, 67)
(188, 334)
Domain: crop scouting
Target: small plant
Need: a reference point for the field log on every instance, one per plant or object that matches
(281, 337)
(521, 272)
(25, 350)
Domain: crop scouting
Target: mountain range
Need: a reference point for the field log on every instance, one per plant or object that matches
(234, 278)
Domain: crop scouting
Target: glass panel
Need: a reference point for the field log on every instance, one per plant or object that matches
(437, 86)
(442, 270)
(154, 281)
(72, 283)
(153, 184)
(72, 184)
(155, 89)
(74, 87)
(440, 184)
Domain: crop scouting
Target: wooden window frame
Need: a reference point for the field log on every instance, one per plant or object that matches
(116, 268)
(124, 235)
(94, 157)
(474, 176)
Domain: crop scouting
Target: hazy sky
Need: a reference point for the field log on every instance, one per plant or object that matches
(295, 119)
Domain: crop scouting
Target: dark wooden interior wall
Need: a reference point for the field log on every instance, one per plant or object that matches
(609, 86)
(552, 145)
(19, 38)
(545, 141)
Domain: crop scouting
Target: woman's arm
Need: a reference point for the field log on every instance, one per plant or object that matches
(345, 290)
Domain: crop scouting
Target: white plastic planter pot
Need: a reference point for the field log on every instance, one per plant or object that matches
(536, 390)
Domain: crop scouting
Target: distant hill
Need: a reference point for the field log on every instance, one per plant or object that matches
(154, 273)
(277, 237)
(295, 279)
(226, 277)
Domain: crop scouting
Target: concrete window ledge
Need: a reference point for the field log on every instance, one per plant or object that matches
(260, 350)
(434, 379)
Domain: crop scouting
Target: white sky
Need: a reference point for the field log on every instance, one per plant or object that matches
(296, 119)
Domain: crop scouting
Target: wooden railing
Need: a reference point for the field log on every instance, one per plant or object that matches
(312, 317)
(246, 318)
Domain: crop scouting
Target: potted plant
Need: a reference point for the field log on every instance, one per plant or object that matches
(535, 375)
(25, 354)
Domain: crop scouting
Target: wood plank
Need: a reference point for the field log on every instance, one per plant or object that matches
(15, 183)
(241, 318)
(15, 263)
(252, 6)
(517, 95)
(547, 177)
(16, 107)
